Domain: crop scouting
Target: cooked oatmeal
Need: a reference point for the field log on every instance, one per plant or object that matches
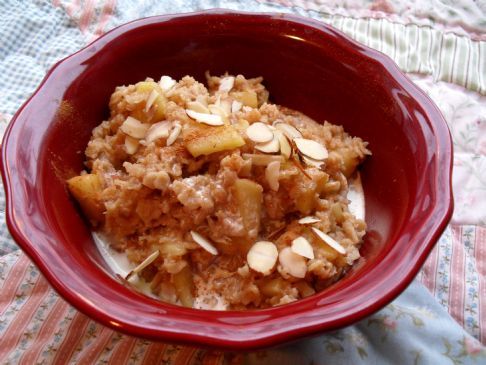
(219, 198)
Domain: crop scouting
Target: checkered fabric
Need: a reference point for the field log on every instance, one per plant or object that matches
(439, 319)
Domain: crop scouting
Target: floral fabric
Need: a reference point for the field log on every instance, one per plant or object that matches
(439, 319)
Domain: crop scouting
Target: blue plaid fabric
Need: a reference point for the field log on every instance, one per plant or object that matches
(31, 41)
(34, 35)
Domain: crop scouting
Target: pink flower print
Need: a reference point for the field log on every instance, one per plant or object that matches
(390, 323)
(472, 346)
(457, 162)
(482, 148)
(382, 5)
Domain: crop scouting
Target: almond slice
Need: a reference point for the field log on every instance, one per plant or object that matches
(311, 148)
(262, 257)
(356, 197)
(204, 243)
(272, 173)
(308, 220)
(330, 241)
(262, 160)
(209, 119)
(166, 83)
(285, 148)
(302, 247)
(174, 134)
(272, 146)
(236, 106)
(143, 264)
(150, 101)
(158, 130)
(198, 107)
(134, 128)
(292, 263)
(311, 162)
(226, 106)
(217, 110)
(226, 84)
(131, 145)
(290, 131)
(259, 133)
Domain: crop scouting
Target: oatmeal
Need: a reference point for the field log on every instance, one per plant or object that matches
(219, 198)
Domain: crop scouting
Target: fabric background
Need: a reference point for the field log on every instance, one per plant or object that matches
(439, 319)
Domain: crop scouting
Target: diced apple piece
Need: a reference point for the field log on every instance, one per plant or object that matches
(203, 140)
(328, 252)
(172, 248)
(350, 161)
(321, 183)
(248, 196)
(304, 289)
(86, 190)
(306, 201)
(324, 249)
(273, 287)
(331, 187)
(337, 212)
(160, 101)
(184, 286)
(248, 98)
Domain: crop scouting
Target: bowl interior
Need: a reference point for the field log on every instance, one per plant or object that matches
(306, 67)
(325, 81)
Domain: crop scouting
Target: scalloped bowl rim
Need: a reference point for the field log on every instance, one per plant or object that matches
(257, 336)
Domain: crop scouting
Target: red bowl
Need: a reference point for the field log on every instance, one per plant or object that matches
(307, 66)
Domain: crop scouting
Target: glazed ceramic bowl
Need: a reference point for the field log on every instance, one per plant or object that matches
(307, 66)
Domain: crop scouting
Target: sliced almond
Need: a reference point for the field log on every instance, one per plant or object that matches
(226, 106)
(166, 83)
(153, 256)
(217, 110)
(311, 162)
(241, 125)
(262, 257)
(311, 148)
(134, 128)
(262, 160)
(259, 133)
(329, 240)
(290, 131)
(150, 101)
(174, 133)
(218, 101)
(204, 243)
(292, 263)
(285, 148)
(308, 220)
(272, 173)
(236, 106)
(209, 119)
(272, 146)
(131, 145)
(296, 162)
(158, 130)
(356, 197)
(226, 84)
(198, 107)
(302, 247)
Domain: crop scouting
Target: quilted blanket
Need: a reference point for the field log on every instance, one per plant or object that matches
(439, 319)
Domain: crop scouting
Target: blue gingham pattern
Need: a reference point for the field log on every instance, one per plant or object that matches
(31, 41)
(413, 329)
